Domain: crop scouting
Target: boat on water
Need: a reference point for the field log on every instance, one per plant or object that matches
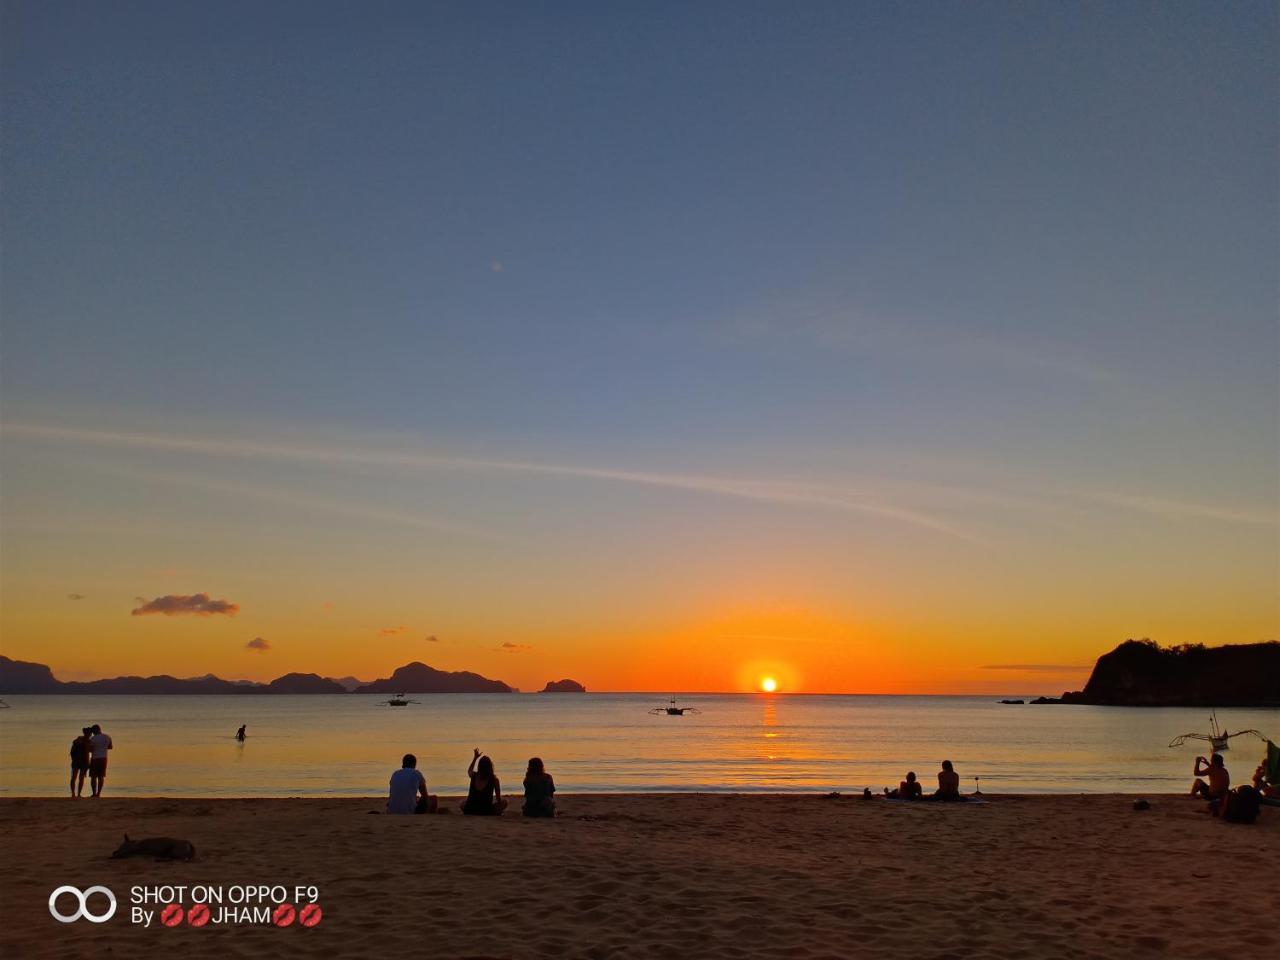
(672, 710)
(398, 701)
(1218, 738)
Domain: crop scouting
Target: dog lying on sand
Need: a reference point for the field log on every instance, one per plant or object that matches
(162, 848)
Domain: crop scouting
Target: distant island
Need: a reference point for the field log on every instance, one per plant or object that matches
(1141, 673)
(21, 677)
(563, 686)
(419, 678)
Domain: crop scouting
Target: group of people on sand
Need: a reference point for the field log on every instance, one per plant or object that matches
(89, 757)
(911, 789)
(409, 794)
(1240, 805)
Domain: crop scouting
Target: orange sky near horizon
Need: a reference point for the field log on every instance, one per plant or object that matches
(671, 583)
(805, 653)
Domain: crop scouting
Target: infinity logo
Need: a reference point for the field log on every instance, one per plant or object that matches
(83, 910)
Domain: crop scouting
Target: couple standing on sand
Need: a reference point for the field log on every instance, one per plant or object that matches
(89, 755)
(484, 793)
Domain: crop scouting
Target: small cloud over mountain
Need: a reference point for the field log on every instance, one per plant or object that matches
(516, 647)
(195, 605)
(75, 596)
(258, 644)
(432, 639)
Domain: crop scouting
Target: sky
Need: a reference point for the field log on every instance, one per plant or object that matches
(662, 346)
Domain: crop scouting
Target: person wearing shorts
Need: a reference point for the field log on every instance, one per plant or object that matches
(99, 744)
(80, 752)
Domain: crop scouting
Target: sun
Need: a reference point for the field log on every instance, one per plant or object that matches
(768, 684)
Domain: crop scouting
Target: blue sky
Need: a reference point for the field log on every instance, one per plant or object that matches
(976, 264)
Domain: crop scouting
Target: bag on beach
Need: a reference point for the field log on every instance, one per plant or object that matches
(1242, 806)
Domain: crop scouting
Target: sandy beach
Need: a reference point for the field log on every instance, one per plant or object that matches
(642, 876)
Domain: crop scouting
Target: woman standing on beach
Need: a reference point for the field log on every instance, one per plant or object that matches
(80, 753)
(538, 790)
(484, 796)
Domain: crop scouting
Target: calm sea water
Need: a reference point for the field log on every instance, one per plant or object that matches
(348, 745)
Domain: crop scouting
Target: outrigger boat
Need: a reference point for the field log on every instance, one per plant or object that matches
(671, 710)
(399, 701)
(1217, 737)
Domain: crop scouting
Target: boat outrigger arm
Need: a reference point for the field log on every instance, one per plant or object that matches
(1217, 738)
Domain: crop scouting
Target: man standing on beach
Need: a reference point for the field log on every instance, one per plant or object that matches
(409, 789)
(99, 744)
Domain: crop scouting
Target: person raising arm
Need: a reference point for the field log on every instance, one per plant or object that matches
(1219, 784)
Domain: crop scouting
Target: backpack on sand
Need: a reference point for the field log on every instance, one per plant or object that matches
(1242, 806)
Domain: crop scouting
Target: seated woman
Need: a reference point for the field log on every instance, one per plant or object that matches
(538, 790)
(948, 783)
(1219, 785)
(484, 796)
(908, 789)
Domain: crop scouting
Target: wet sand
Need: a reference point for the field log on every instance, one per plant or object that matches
(707, 876)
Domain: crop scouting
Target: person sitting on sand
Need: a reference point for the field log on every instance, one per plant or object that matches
(409, 789)
(81, 750)
(484, 795)
(948, 783)
(1219, 785)
(538, 790)
(908, 789)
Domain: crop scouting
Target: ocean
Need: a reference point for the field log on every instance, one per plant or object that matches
(184, 746)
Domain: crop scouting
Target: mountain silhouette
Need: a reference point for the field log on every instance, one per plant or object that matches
(419, 678)
(22, 677)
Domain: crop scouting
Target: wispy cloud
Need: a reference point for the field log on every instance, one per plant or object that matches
(300, 499)
(194, 605)
(75, 596)
(392, 631)
(432, 639)
(850, 329)
(515, 647)
(781, 492)
(258, 644)
(1185, 510)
